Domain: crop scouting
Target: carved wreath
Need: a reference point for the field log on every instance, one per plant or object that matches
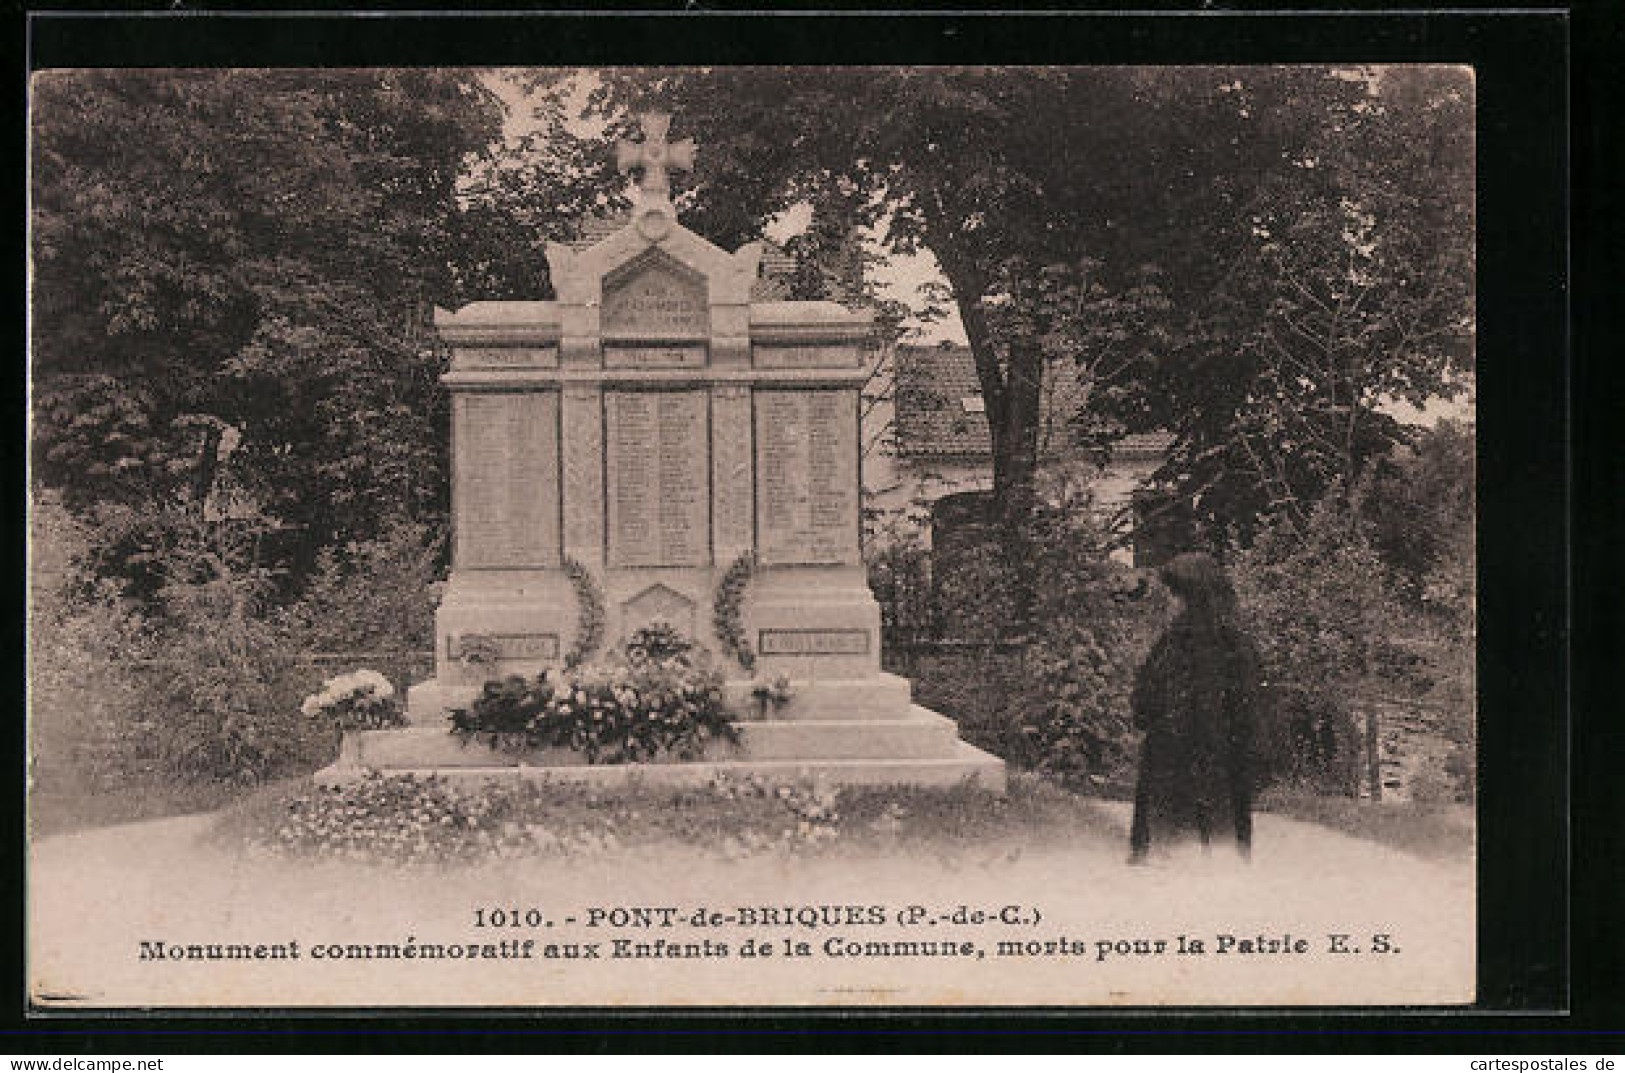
(725, 619)
(589, 613)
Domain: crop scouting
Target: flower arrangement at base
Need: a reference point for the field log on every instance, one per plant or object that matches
(656, 698)
(360, 700)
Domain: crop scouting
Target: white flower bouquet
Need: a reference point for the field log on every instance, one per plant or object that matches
(360, 700)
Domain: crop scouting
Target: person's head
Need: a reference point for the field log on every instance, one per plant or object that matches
(1201, 585)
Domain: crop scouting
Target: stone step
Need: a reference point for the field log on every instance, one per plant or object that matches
(879, 696)
(968, 765)
(924, 735)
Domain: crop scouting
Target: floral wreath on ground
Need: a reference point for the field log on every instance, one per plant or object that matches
(657, 697)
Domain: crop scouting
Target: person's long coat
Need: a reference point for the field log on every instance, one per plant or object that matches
(1196, 697)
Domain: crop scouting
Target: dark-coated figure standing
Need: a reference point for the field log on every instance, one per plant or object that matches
(1195, 697)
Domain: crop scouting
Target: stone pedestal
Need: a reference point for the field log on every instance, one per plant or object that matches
(615, 452)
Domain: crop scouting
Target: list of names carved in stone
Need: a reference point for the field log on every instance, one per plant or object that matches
(732, 492)
(807, 476)
(659, 490)
(508, 480)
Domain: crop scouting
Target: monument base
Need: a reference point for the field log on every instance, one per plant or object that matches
(922, 748)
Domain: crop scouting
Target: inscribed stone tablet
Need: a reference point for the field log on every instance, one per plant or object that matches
(508, 480)
(655, 297)
(683, 356)
(807, 476)
(659, 486)
(511, 645)
(806, 355)
(506, 357)
(806, 642)
(732, 491)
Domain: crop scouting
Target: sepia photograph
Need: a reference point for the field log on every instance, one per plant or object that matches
(752, 536)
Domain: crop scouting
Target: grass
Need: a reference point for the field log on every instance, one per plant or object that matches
(57, 810)
(1424, 830)
(744, 818)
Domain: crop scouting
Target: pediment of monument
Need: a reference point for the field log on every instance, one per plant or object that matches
(654, 293)
(653, 239)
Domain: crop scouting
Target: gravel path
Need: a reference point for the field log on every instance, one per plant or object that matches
(1088, 926)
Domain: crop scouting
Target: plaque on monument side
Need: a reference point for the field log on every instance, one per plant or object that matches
(659, 488)
(507, 463)
(812, 642)
(655, 297)
(807, 476)
(676, 356)
(506, 357)
(806, 355)
(510, 645)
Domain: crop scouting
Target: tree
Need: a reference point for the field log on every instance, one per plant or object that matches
(1080, 215)
(1352, 288)
(1421, 509)
(540, 183)
(231, 271)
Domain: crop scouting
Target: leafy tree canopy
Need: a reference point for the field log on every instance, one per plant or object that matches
(232, 270)
(1148, 230)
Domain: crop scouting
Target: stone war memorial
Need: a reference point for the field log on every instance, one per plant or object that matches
(654, 447)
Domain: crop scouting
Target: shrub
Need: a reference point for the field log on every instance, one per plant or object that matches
(974, 592)
(900, 578)
(1080, 674)
(371, 595)
(84, 643)
(1316, 600)
(1059, 702)
(1092, 621)
(189, 683)
(977, 687)
(658, 698)
(224, 688)
(1421, 510)
(222, 684)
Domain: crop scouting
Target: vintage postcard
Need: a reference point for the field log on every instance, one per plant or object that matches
(752, 536)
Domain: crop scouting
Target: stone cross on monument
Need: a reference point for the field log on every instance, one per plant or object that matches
(654, 155)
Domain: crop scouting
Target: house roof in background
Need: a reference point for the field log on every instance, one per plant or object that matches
(933, 420)
(772, 277)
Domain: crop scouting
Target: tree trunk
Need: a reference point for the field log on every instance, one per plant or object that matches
(208, 464)
(1012, 392)
(1015, 471)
